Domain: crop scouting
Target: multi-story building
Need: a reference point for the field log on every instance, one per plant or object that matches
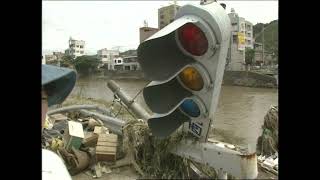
(241, 38)
(76, 48)
(236, 57)
(130, 63)
(249, 35)
(146, 32)
(166, 15)
(117, 64)
(107, 56)
(240, 25)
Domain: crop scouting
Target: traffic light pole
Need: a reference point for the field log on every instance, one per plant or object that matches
(137, 109)
(225, 158)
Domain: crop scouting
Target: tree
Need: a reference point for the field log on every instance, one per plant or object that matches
(66, 61)
(249, 56)
(86, 64)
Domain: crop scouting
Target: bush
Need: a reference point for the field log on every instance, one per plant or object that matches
(86, 64)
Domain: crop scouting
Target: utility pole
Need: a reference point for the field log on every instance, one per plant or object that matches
(263, 43)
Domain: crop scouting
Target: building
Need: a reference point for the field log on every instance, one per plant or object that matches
(240, 25)
(249, 35)
(241, 38)
(146, 32)
(76, 48)
(107, 57)
(166, 15)
(258, 60)
(117, 64)
(236, 57)
(130, 63)
(58, 55)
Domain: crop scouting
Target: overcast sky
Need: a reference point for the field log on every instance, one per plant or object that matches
(106, 24)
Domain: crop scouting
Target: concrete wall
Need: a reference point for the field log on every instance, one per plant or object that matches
(249, 79)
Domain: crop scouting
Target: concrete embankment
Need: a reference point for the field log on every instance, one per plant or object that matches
(249, 79)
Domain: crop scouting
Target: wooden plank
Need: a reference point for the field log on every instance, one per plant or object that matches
(58, 117)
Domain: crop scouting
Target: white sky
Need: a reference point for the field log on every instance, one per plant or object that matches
(105, 24)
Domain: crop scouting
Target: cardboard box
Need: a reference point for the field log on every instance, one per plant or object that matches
(106, 148)
(74, 135)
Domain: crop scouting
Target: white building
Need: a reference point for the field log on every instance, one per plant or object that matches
(107, 57)
(130, 63)
(117, 64)
(240, 25)
(76, 48)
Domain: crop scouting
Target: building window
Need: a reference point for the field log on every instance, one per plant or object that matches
(77, 51)
(81, 46)
(234, 39)
(119, 61)
(81, 52)
(162, 16)
(115, 61)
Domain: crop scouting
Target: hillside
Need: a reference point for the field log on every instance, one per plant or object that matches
(270, 35)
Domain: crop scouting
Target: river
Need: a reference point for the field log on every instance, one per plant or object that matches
(238, 119)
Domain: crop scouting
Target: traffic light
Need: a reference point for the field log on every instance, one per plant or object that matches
(185, 62)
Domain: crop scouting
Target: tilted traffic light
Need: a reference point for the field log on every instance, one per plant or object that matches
(185, 61)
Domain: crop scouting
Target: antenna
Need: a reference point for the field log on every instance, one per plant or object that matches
(145, 23)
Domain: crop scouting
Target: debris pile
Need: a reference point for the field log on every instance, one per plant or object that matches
(268, 141)
(84, 144)
(151, 156)
(267, 147)
(87, 146)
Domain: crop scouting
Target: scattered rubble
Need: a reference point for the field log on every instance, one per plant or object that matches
(267, 147)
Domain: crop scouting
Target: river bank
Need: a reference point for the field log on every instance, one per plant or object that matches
(230, 78)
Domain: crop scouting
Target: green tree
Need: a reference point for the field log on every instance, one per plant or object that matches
(66, 61)
(86, 64)
(249, 56)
